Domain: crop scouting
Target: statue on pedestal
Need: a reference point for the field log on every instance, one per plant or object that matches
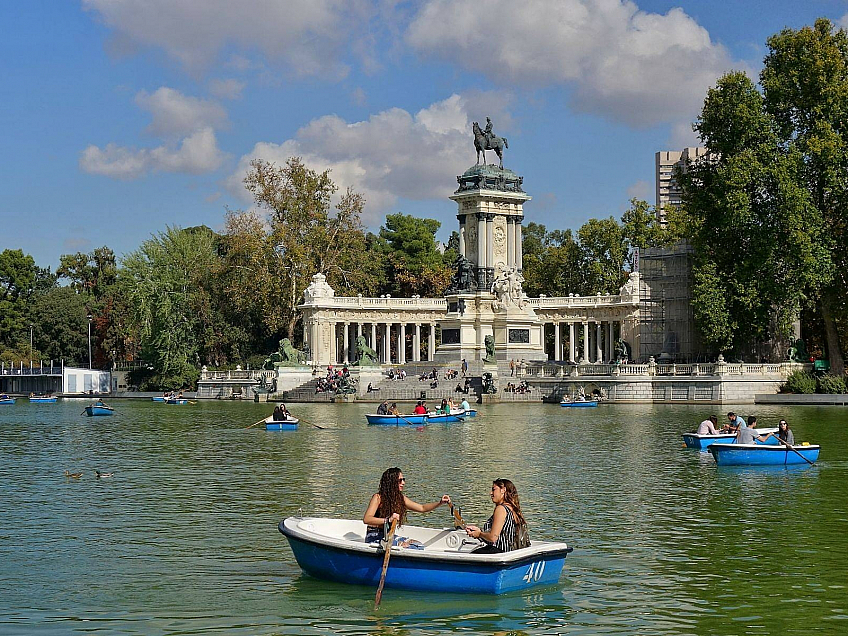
(463, 276)
(488, 140)
(286, 356)
(365, 355)
(489, 358)
(507, 288)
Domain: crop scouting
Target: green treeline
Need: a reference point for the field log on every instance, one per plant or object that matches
(189, 297)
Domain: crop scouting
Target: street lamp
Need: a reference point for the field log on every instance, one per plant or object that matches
(30, 339)
(89, 341)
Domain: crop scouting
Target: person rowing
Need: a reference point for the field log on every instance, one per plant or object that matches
(390, 503)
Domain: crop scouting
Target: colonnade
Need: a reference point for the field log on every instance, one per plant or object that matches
(586, 341)
(379, 336)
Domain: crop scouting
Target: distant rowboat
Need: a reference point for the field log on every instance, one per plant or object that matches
(281, 425)
(412, 420)
(763, 454)
(95, 409)
(43, 399)
(576, 403)
(176, 401)
(7, 400)
(703, 442)
(158, 398)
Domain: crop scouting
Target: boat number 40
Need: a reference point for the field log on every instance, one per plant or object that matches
(534, 572)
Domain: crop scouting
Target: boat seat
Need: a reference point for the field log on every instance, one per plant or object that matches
(354, 536)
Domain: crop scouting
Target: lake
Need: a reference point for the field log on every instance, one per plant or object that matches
(183, 538)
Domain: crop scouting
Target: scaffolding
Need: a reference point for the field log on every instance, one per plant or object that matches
(666, 322)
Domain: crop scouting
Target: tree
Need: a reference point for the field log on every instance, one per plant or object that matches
(605, 251)
(19, 279)
(60, 325)
(414, 263)
(307, 234)
(91, 273)
(759, 242)
(805, 87)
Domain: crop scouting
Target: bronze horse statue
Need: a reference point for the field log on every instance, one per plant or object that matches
(482, 143)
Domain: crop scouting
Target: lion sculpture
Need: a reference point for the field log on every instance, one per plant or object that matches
(489, 358)
(365, 355)
(286, 356)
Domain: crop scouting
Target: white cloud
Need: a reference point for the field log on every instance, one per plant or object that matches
(391, 155)
(682, 136)
(309, 36)
(842, 22)
(177, 115)
(629, 65)
(226, 88)
(639, 190)
(196, 154)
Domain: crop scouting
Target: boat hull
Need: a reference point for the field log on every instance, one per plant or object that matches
(93, 411)
(157, 399)
(412, 420)
(7, 401)
(361, 564)
(703, 442)
(587, 403)
(762, 454)
(42, 400)
(178, 402)
(281, 425)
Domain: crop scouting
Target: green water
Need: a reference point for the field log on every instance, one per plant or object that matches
(183, 538)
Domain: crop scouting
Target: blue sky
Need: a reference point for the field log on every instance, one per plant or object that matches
(119, 117)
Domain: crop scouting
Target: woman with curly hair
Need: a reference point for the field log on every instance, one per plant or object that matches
(506, 529)
(390, 503)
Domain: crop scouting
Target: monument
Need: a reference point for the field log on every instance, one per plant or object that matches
(486, 298)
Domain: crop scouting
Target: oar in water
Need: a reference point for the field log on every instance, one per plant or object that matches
(255, 423)
(323, 428)
(389, 538)
(793, 449)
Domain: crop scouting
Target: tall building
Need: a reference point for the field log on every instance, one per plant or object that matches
(668, 191)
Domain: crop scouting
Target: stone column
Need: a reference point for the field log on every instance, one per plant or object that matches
(557, 344)
(519, 244)
(387, 345)
(609, 341)
(373, 343)
(462, 248)
(510, 242)
(585, 356)
(490, 248)
(346, 344)
(431, 343)
(481, 251)
(416, 344)
(402, 344)
(572, 353)
(599, 353)
(334, 345)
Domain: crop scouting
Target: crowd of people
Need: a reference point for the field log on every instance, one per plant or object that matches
(521, 387)
(333, 380)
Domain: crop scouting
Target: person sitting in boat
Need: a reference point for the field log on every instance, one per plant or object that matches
(393, 409)
(444, 407)
(99, 402)
(708, 426)
(465, 406)
(420, 409)
(390, 503)
(735, 423)
(506, 529)
(383, 409)
(784, 433)
(748, 435)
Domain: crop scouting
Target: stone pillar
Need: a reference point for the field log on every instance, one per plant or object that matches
(462, 248)
(519, 244)
(599, 353)
(402, 344)
(490, 248)
(510, 242)
(609, 340)
(481, 251)
(387, 346)
(373, 343)
(572, 353)
(585, 353)
(416, 344)
(346, 344)
(334, 345)
(431, 343)
(557, 344)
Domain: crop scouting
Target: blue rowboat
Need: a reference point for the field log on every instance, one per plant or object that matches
(763, 454)
(576, 403)
(94, 409)
(703, 442)
(281, 425)
(7, 400)
(464, 413)
(176, 401)
(158, 399)
(412, 420)
(43, 400)
(442, 560)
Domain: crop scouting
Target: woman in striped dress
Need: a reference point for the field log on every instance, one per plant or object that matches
(501, 532)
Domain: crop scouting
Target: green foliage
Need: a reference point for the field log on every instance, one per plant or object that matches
(799, 382)
(90, 273)
(414, 264)
(831, 384)
(18, 278)
(60, 319)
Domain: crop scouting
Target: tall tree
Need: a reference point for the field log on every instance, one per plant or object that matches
(414, 263)
(759, 242)
(805, 85)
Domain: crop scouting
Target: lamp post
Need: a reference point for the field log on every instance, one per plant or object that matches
(30, 346)
(89, 341)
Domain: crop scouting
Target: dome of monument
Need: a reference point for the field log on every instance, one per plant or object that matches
(489, 177)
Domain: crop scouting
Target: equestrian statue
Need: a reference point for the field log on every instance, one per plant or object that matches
(487, 140)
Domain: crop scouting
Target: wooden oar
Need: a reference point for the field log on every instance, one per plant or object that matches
(792, 448)
(255, 423)
(323, 428)
(389, 538)
(457, 516)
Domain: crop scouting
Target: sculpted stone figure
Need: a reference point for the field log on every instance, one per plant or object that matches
(488, 140)
(286, 356)
(463, 276)
(507, 288)
(489, 342)
(489, 384)
(622, 350)
(365, 355)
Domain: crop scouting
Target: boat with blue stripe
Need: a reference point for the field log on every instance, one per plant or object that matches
(42, 399)
(290, 424)
(764, 454)
(98, 409)
(376, 419)
(703, 442)
(158, 398)
(579, 403)
(179, 401)
(5, 399)
(437, 560)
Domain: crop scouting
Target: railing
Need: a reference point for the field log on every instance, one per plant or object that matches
(428, 304)
(18, 370)
(543, 370)
(556, 302)
(249, 374)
